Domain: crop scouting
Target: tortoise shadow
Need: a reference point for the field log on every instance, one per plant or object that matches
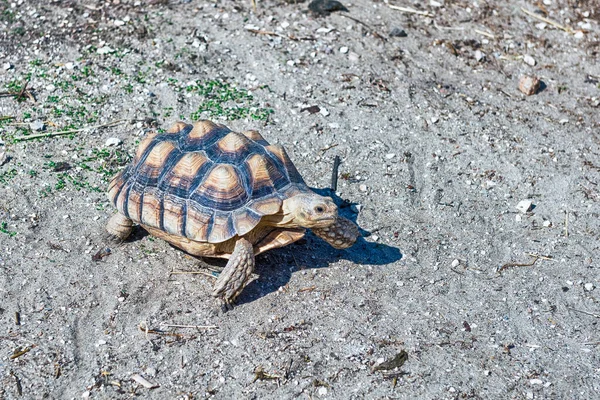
(277, 266)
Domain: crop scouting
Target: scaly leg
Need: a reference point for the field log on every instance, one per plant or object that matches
(341, 235)
(236, 274)
(119, 226)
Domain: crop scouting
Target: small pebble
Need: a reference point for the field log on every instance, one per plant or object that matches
(524, 205)
(375, 238)
(527, 59)
(434, 120)
(529, 85)
(113, 141)
(69, 65)
(579, 35)
(343, 50)
(322, 391)
(589, 286)
(37, 125)
(354, 57)
(324, 111)
(104, 50)
(118, 22)
(362, 187)
(51, 88)
(6, 66)
(455, 263)
(479, 55)
(563, 121)
(547, 224)
(529, 395)
(536, 381)
(389, 156)
(397, 32)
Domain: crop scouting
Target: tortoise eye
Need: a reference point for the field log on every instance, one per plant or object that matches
(319, 209)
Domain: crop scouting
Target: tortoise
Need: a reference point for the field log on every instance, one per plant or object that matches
(213, 192)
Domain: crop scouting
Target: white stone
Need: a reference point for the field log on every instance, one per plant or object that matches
(36, 125)
(6, 66)
(434, 120)
(527, 59)
(322, 391)
(104, 50)
(324, 111)
(362, 187)
(343, 49)
(119, 22)
(547, 224)
(479, 55)
(455, 263)
(51, 88)
(389, 156)
(589, 286)
(113, 141)
(524, 205)
(578, 35)
(536, 381)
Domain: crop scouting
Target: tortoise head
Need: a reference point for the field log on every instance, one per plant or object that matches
(310, 210)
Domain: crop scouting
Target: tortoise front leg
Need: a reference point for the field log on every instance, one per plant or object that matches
(236, 274)
(341, 235)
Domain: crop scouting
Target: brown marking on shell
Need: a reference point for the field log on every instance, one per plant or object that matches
(201, 128)
(266, 205)
(122, 197)
(143, 146)
(177, 127)
(114, 186)
(153, 164)
(222, 184)
(221, 228)
(183, 173)
(244, 221)
(133, 202)
(151, 207)
(233, 142)
(197, 222)
(254, 135)
(260, 171)
(281, 154)
(173, 214)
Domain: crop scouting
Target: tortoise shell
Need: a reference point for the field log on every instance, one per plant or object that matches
(204, 182)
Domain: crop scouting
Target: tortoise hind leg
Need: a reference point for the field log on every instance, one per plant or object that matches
(236, 274)
(119, 226)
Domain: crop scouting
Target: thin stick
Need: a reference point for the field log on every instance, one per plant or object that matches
(584, 312)
(334, 173)
(191, 326)
(566, 224)
(549, 21)
(411, 11)
(59, 133)
(5, 118)
(365, 25)
(324, 149)
(491, 36)
(514, 264)
(192, 273)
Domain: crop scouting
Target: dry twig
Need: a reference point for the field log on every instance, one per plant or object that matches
(410, 10)
(548, 21)
(60, 133)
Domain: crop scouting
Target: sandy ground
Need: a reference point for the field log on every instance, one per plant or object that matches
(438, 148)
